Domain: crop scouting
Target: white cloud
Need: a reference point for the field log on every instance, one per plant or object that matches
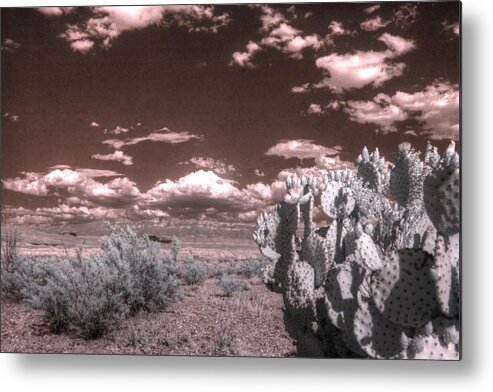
(163, 135)
(78, 183)
(405, 16)
(397, 45)
(301, 89)
(244, 59)
(373, 24)
(259, 173)
(119, 130)
(117, 156)
(83, 46)
(358, 69)
(95, 124)
(380, 111)
(301, 149)
(436, 108)
(108, 23)
(315, 108)
(337, 29)
(216, 165)
(277, 33)
(9, 45)
(56, 11)
(371, 9)
(452, 28)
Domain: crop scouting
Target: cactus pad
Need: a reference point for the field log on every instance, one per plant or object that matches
(445, 264)
(377, 336)
(442, 199)
(403, 290)
(316, 250)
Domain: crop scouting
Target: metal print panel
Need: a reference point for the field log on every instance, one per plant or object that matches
(232, 180)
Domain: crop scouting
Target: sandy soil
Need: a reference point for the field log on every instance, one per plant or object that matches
(204, 322)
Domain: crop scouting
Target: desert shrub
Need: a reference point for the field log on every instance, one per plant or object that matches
(191, 272)
(231, 285)
(91, 296)
(251, 268)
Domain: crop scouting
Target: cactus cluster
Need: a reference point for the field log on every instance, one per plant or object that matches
(382, 280)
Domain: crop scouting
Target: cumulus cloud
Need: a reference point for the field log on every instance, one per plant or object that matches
(216, 165)
(11, 116)
(259, 173)
(203, 190)
(105, 24)
(163, 135)
(315, 109)
(76, 183)
(9, 45)
(380, 111)
(56, 11)
(436, 108)
(119, 130)
(244, 59)
(94, 124)
(277, 33)
(360, 68)
(301, 89)
(117, 156)
(371, 9)
(337, 29)
(301, 149)
(373, 24)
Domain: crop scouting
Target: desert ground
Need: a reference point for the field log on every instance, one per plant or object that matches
(203, 321)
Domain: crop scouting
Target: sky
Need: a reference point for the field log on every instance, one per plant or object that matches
(200, 111)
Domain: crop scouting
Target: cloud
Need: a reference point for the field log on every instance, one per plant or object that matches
(259, 173)
(371, 9)
(163, 135)
(119, 130)
(9, 45)
(405, 16)
(244, 59)
(11, 116)
(216, 165)
(337, 29)
(315, 108)
(95, 124)
(373, 24)
(301, 149)
(452, 28)
(117, 156)
(358, 69)
(204, 190)
(381, 111)
(56, 11)
(436, 108)
(105, 24)
(279, 34)
(79, 183)
(301, 89)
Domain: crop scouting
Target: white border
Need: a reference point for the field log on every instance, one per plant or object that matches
(93, 373)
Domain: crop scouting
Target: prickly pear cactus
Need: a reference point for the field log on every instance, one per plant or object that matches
(372, 170)
(442, 194)
(406, 178)
(382, 279)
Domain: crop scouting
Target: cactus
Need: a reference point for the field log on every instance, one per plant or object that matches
(372, 170)
(442, 193)
(406, 178)
(382, 279)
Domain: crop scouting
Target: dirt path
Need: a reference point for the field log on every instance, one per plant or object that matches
(204, 322)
